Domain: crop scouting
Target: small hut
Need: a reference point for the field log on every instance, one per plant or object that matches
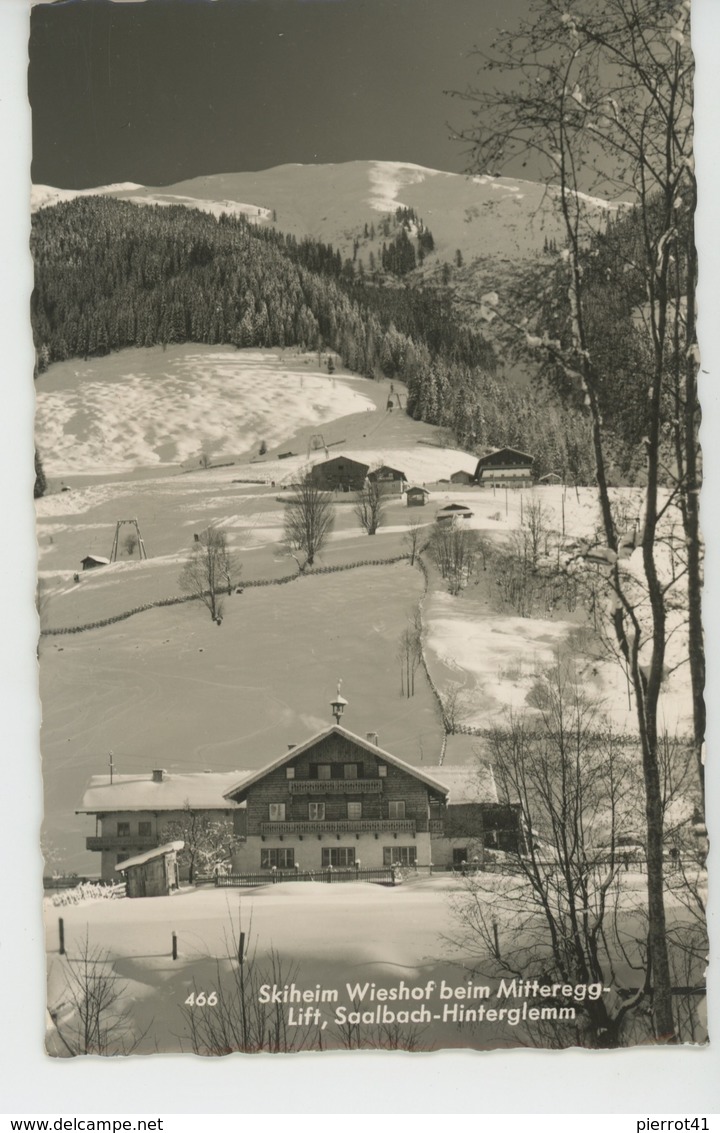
(454, 511)
(417, 496)
(154, 873)
(91, 562)
(462, 477)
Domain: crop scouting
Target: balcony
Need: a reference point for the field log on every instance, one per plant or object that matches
(436, 826)
(135, 842)
(335, 786)
(358, 826)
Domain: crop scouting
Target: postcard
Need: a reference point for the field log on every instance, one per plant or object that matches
(370, 566)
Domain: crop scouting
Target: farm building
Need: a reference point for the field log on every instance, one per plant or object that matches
(340, 473)
(392, 481)
(462, 477)
(551, 478)
(91, 562)
(416, 496)
(454, 511)
(154, 873)
(505, 468)
(132, 812)
(336, 800)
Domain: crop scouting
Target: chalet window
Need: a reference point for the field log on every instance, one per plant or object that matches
(354, 810)
(316, 812)
(280, 859)
(145, 829)
(320, 771)
(350, 771)
(277, 812)
(399, 855)
(382, 771)
(289, 772)
(123, 829)
(339, 857)
(396, 809)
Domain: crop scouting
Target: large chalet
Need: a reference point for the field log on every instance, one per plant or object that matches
(336, 800)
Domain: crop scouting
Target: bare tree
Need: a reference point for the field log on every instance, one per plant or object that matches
(309, 519)
(454, 551)
(210, 569)
(238, 1018)
(370, 506)
(208, 841)
(89, 1016)
(413, 539)
(556, 921)
(606, 90)
(410, 655)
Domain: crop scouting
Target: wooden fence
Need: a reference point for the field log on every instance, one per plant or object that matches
(327, 876)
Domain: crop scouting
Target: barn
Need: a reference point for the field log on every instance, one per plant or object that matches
(416, 496)
(91, 562)
(505, 468)
(462, 477)
(154, 873)
(391, 480)
(454, 511)
(340, 473)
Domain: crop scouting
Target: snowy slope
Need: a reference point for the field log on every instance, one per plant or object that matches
(486, 215)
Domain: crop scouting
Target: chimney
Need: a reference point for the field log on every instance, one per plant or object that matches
(372, 738)
(158, 774)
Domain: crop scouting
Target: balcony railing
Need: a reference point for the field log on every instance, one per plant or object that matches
(357, 826)
(335, 786)
(137, 842)
(436, 826)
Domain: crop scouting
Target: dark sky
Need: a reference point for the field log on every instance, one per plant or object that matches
(163, 90)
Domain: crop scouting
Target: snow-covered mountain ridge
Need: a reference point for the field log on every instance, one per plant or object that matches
(479, 215)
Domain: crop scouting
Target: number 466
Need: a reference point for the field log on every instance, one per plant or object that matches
(201, 999)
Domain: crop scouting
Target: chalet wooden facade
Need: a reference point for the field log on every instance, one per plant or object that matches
(391, 480)
(505, 468)
(340, 473)
(339, 800)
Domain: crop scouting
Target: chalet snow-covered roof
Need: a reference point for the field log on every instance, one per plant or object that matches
(384, 469)
(511, 454)
(158, 852)
(238, 791)
(99, 559)
(467, 783)
(417, 488)
(204, 790)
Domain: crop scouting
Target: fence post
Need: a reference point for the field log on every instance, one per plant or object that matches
(61, 931)
(496, 938)
(174, 946)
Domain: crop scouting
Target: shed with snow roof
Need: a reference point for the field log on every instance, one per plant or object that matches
(91, 562)
(417, 496)
(462, 476)
(154, 873)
